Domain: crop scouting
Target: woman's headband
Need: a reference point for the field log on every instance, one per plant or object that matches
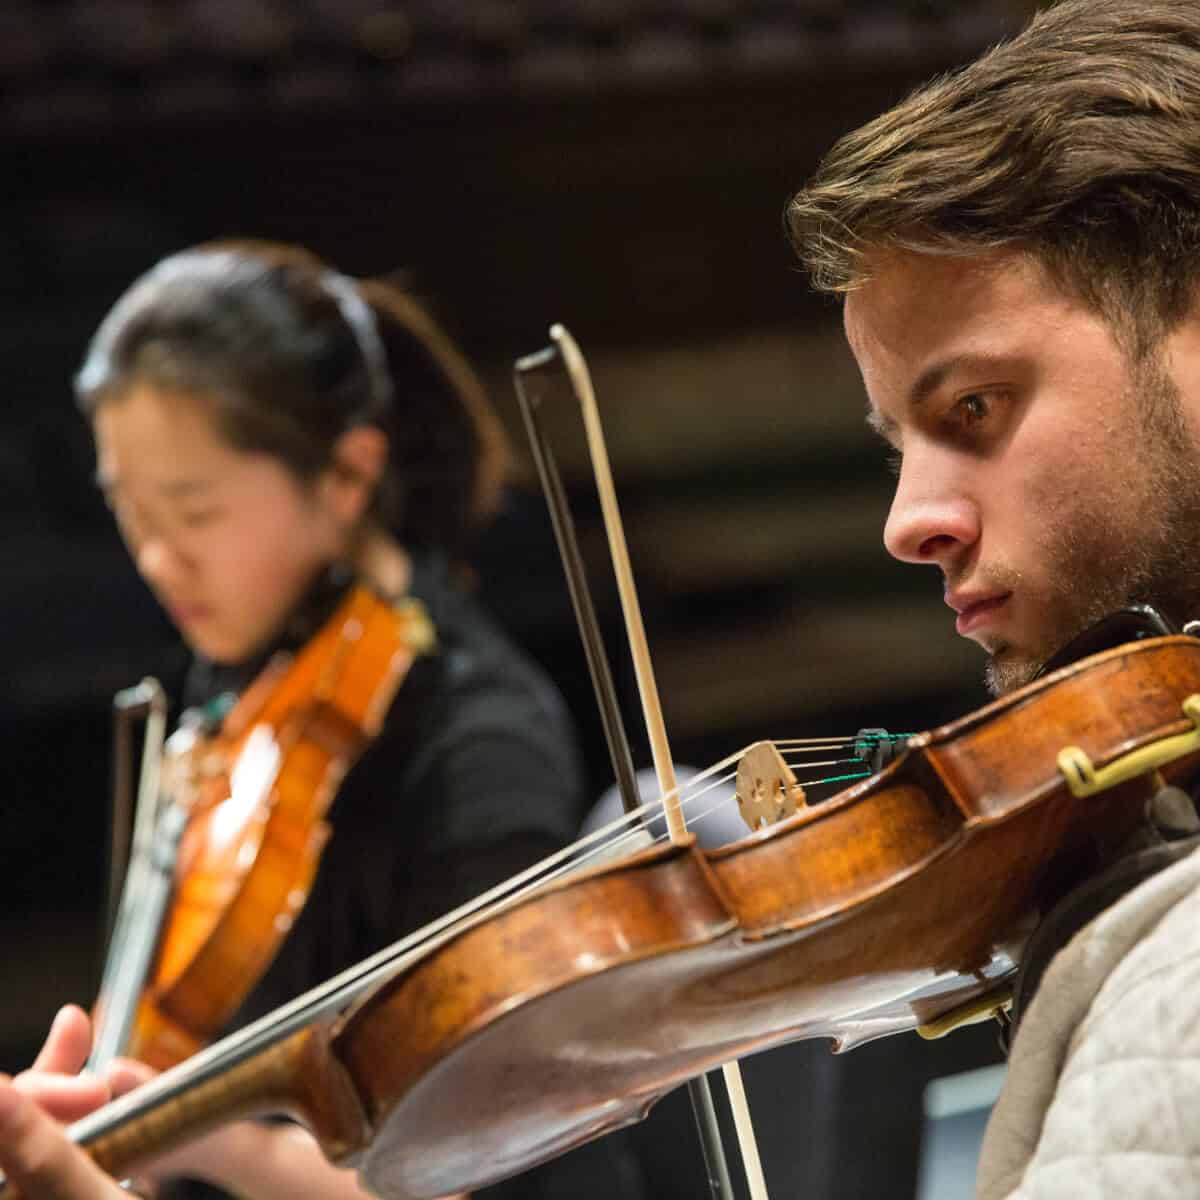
(360, 318)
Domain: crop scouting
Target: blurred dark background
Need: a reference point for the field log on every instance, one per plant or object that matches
(618, 165)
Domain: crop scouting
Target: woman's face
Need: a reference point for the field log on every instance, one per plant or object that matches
(228, 541)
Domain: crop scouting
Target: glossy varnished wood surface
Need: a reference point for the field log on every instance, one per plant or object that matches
(249, 855)
(889, 905)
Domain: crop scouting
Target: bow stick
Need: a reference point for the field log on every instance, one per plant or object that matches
(580, 379)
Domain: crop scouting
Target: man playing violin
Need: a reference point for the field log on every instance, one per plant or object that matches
(1018, 250)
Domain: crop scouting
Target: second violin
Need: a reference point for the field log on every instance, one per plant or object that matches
(255, 798)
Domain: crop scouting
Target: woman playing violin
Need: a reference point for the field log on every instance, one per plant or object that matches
(268, 432)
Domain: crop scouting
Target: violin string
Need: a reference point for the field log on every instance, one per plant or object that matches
(335, 993)
(837, 778)
(636, 820)
(795, 746)
(793, 761)
(633, 835)
(843, 739)
(800, 743)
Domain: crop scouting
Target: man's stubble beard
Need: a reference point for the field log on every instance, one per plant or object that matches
(1148, 552)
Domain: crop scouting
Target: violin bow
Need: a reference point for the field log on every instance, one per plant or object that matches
(580, 379)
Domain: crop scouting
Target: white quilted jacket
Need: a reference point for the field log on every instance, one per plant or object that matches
(1102, 1097)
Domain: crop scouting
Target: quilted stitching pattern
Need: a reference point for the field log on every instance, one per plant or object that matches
(1102, 1098)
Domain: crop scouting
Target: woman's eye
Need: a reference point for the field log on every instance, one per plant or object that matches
(198, 517)
(895, 460)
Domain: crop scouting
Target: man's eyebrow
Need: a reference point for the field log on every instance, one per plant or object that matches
(937, 373)
(932, 378)
(927, 383)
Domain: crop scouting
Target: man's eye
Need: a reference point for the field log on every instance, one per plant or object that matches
(973, 407)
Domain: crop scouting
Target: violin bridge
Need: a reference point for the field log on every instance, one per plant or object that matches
(767, 790)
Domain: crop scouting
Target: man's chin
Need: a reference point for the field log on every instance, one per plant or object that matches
(1011, 666)
(1009, 669)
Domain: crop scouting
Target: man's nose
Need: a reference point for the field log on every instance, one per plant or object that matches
(933, 518)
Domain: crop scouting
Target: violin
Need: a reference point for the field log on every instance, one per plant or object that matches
(544, 1017)
(251, 801)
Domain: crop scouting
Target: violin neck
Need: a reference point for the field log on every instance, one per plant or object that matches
(144, 902)
(298, 1076)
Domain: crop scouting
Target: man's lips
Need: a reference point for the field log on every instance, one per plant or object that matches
(975, 611)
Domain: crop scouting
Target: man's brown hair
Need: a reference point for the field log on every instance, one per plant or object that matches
(1078, 140)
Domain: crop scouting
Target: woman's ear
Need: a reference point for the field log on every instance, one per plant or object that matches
(355, 470)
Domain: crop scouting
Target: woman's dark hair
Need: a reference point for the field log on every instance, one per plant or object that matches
(291, 355)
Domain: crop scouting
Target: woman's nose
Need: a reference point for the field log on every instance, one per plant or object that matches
(157, 562)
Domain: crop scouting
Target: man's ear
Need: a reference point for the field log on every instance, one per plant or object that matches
(355, 470)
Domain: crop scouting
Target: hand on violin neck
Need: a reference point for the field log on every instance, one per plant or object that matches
(38, 1157)
(68, 1043)
(56, 1081)
(257, 1161)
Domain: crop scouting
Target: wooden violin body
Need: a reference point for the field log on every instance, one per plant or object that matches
(552, 1019)
(260, 790)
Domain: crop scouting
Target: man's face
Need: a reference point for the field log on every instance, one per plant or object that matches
(1048, 479)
